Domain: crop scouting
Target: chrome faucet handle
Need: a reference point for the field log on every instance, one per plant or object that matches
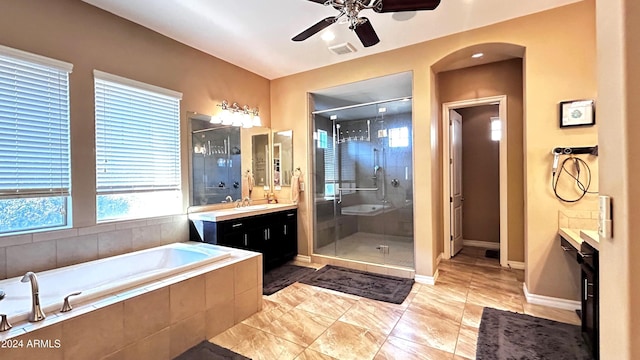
(66, 306)
(4, 323)
(238, 203)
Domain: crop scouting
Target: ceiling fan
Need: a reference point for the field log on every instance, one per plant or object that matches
(350, 9)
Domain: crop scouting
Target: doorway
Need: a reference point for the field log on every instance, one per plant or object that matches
(453, 178)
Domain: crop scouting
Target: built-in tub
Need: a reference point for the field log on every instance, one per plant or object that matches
(101, 277)
(366, 209)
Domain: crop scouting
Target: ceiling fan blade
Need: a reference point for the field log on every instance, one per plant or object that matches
(319, 1)
(319, 26)
(406, 5)
(366, 33)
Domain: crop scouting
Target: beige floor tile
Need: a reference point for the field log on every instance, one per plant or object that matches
(495, 299)
(440, 333)
(396, 348)
(234, 336)
(467, 341)
(293, 295)
(565, 316)
(437, 306)
(472, 315)
(327, 304)
(313, 355)
(447, 291)
(264, 346)
(373, 315)
(271, 311)
(346, 342)
(299, 326)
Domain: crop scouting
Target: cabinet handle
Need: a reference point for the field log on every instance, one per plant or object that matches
(236, 225)
(285, 229)
(265, 234)
(246, 243)
(269, 233)
(585, 289)
(290, 215)
(565, 248)
(583, 255)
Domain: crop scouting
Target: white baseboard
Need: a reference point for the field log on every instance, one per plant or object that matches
(516, 265)
(427, 280)
(482, 244)
(303, 258)
(550, 301)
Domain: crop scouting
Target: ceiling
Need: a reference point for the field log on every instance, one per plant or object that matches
(256, 34)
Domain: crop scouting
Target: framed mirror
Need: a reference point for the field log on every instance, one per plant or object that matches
(282, 158)
(220, 156)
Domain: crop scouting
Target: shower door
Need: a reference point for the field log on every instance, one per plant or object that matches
(363, 185)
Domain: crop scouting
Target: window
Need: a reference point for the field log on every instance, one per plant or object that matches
(35, 186)
(137, 149)
(399, 137)
(496, 129)
(322, 139)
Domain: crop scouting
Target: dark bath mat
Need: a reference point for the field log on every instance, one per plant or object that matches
(509, 335)
(281, 277)
(208, 351)
(492, 254)
(373, 286)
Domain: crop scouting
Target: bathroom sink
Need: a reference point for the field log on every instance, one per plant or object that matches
(250, 208)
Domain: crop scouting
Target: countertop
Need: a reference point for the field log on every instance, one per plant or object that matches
(237, 213)
(576, 237)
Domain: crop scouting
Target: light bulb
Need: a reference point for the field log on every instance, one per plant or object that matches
(257, 121)
(216, 119)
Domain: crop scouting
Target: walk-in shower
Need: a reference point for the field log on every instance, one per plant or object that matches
(363, 182)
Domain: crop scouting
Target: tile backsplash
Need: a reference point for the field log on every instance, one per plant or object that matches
(52, 249)
(578, 219)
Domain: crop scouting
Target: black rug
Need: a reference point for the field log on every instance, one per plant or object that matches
(509, 335)
(281, 277)
(208, 351)
(492, 254)
(373, 286)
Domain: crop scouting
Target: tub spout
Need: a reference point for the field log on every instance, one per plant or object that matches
(36, 311)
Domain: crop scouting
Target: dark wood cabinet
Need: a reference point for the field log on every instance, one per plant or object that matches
(275, 235)
(588, 259)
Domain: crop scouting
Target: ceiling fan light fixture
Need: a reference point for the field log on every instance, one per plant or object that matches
(328, 35)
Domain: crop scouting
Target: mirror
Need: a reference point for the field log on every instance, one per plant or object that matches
(282, 158)
(220, 157)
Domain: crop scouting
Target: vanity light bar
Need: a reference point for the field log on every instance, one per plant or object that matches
(237, 116)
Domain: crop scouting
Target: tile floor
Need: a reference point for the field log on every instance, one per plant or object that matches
(434, 322)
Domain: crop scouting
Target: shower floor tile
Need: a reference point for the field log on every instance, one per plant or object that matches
(361, 246)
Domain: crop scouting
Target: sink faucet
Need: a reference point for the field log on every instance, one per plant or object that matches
(228, 199)
(36, 312)
(246, 200)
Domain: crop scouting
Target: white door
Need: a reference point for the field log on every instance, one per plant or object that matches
(455, 188)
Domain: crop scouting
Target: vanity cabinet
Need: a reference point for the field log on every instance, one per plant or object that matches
(273, 234)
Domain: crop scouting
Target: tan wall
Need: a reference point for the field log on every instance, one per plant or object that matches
(480, 175)
(500, 78)
(554, 71)
(91, 38)
(618, 23)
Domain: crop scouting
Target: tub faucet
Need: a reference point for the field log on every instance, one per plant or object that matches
(228, 199)
(36, 311)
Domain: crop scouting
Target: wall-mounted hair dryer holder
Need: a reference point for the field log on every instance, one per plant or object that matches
(591, 150)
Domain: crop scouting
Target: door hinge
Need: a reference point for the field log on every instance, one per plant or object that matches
(451, 237)
(450, 199)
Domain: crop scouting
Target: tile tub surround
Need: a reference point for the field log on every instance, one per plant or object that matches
(158, 320)
(48, 250)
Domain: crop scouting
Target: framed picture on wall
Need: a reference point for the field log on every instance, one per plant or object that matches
(577, 113)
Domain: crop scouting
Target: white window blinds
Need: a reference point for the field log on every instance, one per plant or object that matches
(34, 125)
(137, 136)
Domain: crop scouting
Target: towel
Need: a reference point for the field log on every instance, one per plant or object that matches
(247, 185)
(295, 188)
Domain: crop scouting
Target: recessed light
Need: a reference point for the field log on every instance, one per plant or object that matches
(477, 55)
(328, 36)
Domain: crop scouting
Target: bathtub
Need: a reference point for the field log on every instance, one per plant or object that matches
(365, 209)
(102, 277)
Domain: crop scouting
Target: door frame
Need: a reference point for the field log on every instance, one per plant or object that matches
(501, 101)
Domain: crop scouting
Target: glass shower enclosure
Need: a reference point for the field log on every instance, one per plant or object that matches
(363, 183)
